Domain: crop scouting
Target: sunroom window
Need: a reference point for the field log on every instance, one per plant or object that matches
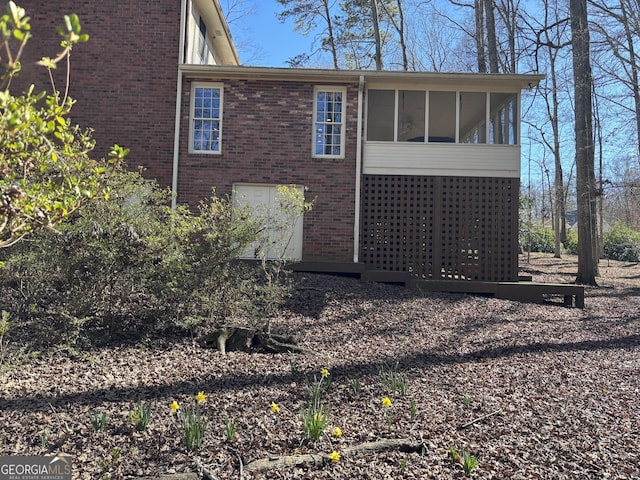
(411, 115)
(504, 116)
(441, 116)
(473, 117)
(381, 106)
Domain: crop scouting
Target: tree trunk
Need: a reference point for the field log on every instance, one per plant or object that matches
(375, 20)
(560, 225)
(480, 48)
(332, 40)
(492, 43)
(585, 171)
(401, 34)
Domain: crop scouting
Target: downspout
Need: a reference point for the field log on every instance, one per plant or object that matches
(176, 135)
(356, 224)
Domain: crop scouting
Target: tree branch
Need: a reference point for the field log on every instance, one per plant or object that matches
(316, 459)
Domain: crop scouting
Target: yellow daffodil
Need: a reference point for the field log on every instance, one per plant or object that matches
(334, 456)
(274, 407)
(174, 406)
(386, 402)
(337, 432)
(200, 397)
(324, 372)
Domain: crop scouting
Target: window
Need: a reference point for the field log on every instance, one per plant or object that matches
(442, 117)
(206, 118)
(328, 122)
(381, 116)
(381, 106)
(473, 117)
(202, 40)
(504, 113)
(199, 47)
(411, 115)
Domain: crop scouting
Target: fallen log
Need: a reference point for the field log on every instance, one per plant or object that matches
(316, 459)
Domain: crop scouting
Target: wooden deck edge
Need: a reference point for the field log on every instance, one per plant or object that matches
(523, 290)
(530, 292)
(328, 267)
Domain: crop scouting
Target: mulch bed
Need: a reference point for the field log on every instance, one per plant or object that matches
(533, 391)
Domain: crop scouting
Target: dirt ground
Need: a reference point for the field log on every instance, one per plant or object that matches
(532, 391)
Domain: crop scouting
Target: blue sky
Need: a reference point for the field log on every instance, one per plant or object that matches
(261, 39)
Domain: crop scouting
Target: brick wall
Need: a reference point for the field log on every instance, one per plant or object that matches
(124, 82)
(267, 138)
(124, 78)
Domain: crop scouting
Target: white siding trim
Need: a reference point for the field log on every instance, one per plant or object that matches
(462, 160)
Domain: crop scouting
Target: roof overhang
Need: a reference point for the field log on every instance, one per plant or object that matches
(489, 81)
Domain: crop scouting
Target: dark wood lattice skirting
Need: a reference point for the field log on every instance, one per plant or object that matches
(455, 228)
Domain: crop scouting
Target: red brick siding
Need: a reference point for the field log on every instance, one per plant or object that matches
(267, 138)
(124, 78)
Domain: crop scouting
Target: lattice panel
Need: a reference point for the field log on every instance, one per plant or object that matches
(458, 228)
(397, 218)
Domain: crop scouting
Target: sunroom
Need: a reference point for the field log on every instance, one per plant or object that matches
(440, 176)
(437, 131)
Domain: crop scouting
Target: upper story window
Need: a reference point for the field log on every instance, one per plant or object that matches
(199, 47)
(442, 116)
(328, 122)
(202, 40)
(205, 118)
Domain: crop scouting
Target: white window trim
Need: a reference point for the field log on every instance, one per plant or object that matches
(330, 88)
(195, 85)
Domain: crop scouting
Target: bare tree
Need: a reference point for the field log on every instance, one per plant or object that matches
(396, 18)
(585, 174)
(620, 37)
(509, 11)
(550, 40)
(306, 15)
(375, 22)
(492, 42)
(479, 38)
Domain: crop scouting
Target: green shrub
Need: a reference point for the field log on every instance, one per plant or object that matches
(538, 239)
(622, 243)
(571, 245)
(131, 267)
(110, 270)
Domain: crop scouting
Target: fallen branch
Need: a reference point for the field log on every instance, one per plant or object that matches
(315, 459)
(229, 338)
(475, 420)
(205, 472)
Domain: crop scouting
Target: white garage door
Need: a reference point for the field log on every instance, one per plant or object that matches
(283, 233)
